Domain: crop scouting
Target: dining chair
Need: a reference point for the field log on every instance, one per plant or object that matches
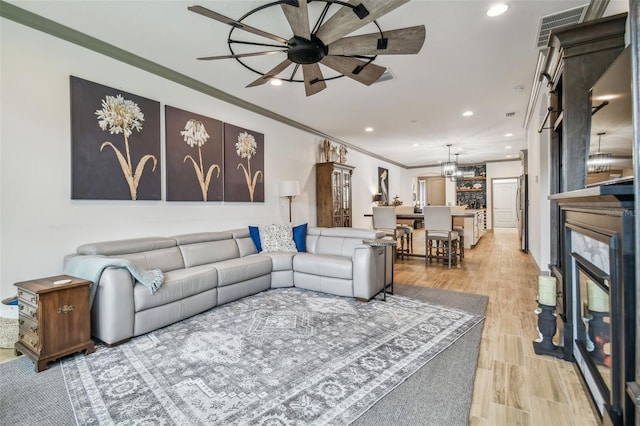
(440, 236)
(384, 219)
(406, 224)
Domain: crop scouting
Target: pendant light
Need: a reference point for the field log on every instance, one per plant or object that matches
(449, 168)
(599, 162)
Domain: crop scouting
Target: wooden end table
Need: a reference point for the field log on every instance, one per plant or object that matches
(54, 319)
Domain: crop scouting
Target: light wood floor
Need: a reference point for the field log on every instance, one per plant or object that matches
(513, 385)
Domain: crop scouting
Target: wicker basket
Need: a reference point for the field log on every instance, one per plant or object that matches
(8, 332)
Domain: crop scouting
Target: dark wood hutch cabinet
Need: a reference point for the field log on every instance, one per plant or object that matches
(593, 235)
(333, 194)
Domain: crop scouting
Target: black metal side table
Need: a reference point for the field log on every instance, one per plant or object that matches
(384, 243)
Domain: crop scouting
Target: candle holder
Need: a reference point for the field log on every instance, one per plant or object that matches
(546, 329)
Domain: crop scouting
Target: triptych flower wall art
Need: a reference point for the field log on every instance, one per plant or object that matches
(194, 156)
(115, 151)
(244, 164)
(115, 144)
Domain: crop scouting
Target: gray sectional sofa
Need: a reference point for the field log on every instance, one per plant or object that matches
(203, 270)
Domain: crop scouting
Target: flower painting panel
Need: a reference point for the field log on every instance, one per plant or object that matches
(115, 144)
(244, 164)
(383, 185)
(194, 156)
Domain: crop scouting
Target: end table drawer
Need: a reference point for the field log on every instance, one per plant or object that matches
(28, 297)
(31, 340)
(28, 310)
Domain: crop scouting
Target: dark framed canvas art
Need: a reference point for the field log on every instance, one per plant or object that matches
(194, 156)
(115, 144)
(244, 164)
(383, 185)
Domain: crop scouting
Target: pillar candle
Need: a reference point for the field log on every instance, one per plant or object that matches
(597, 299)
(547, 290)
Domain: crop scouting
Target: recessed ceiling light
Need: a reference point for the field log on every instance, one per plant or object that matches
(497, 9)
(416, 144)
(467, 113)
(368, 129)
(508, 134)
(275, 82)
(509, 156)
(507, 147)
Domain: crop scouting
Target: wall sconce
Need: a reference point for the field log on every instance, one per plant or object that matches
(289, 189)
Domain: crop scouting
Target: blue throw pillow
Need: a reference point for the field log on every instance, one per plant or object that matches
(254, 231)
(300, 237)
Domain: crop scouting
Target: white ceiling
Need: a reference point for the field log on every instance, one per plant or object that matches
(468, 62)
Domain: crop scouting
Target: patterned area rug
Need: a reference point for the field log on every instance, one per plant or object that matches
(281, 357)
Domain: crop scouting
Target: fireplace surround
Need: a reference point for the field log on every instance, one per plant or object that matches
(598, 294)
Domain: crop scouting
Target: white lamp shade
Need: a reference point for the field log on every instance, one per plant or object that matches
(289, 188)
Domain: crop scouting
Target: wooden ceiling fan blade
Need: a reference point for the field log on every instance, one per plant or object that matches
(347, 20)
(354, 68)
(298, 18)
(404, 41)
(241, 55)
(313, 79)
(239, 25)
(271, 73)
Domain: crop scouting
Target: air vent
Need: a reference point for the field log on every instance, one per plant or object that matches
(551, 22)
(510, 114)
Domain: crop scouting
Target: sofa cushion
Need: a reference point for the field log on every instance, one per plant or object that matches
(281, 261)
(255, 237)
(300, 237)
(205, 252)
(167, 259)
(132, 245)
(178, 284)
(277, 237)
(325, 265)
(242, 269)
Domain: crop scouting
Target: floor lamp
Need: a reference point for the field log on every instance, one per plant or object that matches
(289, 189)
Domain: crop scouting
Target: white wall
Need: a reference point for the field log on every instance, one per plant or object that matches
(39, 223)
(539, 206)
(502, 169)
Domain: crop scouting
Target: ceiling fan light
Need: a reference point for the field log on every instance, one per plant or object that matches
(275, 82)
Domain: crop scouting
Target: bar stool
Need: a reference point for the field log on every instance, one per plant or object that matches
(440, 237)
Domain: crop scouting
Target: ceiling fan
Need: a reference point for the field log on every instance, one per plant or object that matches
(325, 43)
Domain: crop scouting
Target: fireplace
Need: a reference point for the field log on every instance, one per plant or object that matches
(598, 293)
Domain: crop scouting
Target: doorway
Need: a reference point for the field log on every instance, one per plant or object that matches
(505, 203)
(436, 192)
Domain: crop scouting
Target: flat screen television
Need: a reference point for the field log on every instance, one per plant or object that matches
(611, 136)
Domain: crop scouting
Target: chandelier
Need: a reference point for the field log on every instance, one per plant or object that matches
(599, 162)
(449, 168)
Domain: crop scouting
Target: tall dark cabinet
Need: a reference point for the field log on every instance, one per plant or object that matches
(333, 194)
(592, 228)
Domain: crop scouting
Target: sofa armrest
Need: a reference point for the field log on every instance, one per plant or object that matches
(368, 271)
(113, 310)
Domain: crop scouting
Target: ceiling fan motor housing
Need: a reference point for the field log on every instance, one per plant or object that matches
(303, 51)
